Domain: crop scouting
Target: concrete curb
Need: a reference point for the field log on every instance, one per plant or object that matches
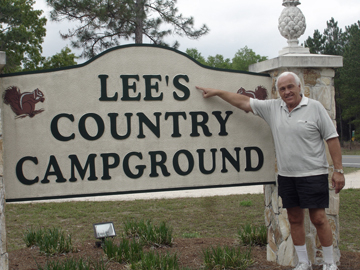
(352, 181)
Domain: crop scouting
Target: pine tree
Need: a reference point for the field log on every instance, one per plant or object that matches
(104, 23)
(331, 42)
(350, 78)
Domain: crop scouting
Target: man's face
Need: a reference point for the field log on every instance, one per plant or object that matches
(289, 91)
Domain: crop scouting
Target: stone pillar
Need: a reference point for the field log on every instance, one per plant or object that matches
(317, 77)
(4, 261)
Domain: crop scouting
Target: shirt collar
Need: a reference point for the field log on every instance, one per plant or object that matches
(304, 101)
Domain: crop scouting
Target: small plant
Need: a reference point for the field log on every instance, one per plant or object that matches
(163, 235)
(227, 258)
(72, 264)
(127, 251)
(69, 264)
(155, 261)
(148, 233)
(31, 237)
(246, 203)
(49, 241)
(111, 250)
(191, 235)
(133, 228)
(253, 236)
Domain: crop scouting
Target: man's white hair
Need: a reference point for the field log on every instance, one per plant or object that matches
(296, 77)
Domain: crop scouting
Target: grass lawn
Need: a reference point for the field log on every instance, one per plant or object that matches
(219, 216)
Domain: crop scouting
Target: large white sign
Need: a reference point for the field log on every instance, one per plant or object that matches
(130, 120)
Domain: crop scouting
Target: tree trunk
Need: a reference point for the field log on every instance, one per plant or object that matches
(139, 21)
(350, 134)
(341, 122)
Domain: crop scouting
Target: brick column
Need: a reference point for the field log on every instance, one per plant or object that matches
(317, 77)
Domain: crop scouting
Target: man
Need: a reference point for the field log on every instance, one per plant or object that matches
(299, 125)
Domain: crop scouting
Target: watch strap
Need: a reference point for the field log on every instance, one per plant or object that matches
(339, 171)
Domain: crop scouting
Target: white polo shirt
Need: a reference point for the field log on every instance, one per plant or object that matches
(298, 135)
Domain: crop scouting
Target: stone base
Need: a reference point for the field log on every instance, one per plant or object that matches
(298, 61)
(294, 50)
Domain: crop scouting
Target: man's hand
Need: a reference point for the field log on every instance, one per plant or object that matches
(338, 182)
(240, 101)
(338, 179)
(208, 92)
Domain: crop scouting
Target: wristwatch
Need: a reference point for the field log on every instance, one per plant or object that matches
(339, 171)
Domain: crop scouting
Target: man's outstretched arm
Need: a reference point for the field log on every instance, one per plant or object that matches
(240, 101)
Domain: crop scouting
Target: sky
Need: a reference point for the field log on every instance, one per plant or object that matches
(233, 25)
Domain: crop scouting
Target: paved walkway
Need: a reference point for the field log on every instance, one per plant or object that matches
(352, 181)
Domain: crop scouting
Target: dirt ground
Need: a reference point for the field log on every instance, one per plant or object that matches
(189, 253)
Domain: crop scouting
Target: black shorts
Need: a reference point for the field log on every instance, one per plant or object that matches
(305, 192)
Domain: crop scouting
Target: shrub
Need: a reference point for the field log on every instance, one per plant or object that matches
(250, 235)
(148, 233)
(72, 264)
(227, 258)
(127, 251)
(155, 261)
(49, 241)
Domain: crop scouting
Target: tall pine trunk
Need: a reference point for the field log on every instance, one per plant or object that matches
(339, 114)
(140, 12)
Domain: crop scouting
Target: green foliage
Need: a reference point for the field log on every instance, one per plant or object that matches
(31, 237)
(218, 61)
(244, 58)
(334, 41)
(101, 24)
(182, 214)
(128, 251)
(22, 30)
(196, 55)
(316, 43)
(246, 203)
(148, 233)
(350, 78)
(50, 241)
(331, 42)
(63, 59)
(350, 219)
(154, 261)
(73, 264)
(227, 258)
(253, 236)
(241, 61)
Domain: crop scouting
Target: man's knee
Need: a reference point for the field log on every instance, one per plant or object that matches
(318, 217)
(295, 215)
